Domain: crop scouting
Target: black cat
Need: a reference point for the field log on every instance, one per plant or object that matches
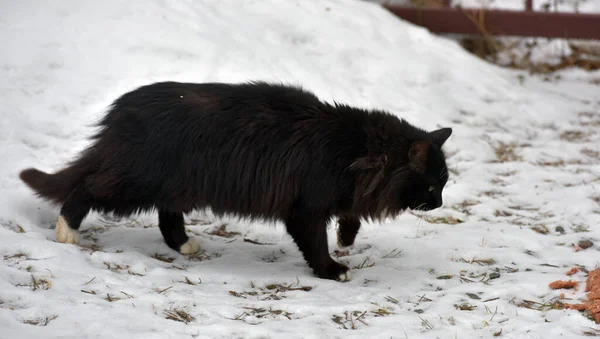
(255, 150)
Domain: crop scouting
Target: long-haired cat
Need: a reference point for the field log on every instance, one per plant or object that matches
(256, 150)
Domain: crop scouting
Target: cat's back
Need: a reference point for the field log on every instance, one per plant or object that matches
(217, 113)
(181, 100)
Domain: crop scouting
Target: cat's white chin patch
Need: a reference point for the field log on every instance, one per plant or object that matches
(64, 233)
(191, 246)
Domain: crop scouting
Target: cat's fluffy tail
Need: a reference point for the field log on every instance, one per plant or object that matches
(53, 187)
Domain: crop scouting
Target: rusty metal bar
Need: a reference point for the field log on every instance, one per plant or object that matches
(502, 22)
(529, 5)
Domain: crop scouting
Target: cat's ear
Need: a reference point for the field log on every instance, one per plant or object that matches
(417, 155)
(367, 163)
(440, 136)
(374, 172)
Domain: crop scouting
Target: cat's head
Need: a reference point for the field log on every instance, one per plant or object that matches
(416, 183)
(429, 173)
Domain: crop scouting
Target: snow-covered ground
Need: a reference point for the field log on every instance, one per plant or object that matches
(525, 183)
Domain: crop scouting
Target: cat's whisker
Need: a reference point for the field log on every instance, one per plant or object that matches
(443, 172)
(419, 214)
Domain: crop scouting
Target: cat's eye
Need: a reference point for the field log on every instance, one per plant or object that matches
(431, 188)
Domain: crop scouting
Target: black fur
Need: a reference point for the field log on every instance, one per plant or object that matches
(255, 150)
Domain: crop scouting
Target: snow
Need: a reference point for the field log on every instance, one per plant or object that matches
(62, 64)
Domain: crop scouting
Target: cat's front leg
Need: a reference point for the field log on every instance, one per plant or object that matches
(172, 227)
(310, 234)
(347, 230)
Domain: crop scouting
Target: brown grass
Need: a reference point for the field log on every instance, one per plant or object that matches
(538, 306)
(271, 291)
(92, 248)
(40, 321)
(37, 284)
(498, 182)
(365, 264)
(589, 119)
(481, 262)
(465, 306)
(559, 163)
(350, 320)
(473, 296)
(395, 253)
(16, 255)
(118, 268)
(262, 313)
(593, 123)
(163, 258)
(111, 299)
(448, 220)
(574, 136)
(178, 314)
(507, 152)
(591, 153)
(468, 203)
(221, 231)
(499, 213)
(493, 193)
(189, 282)
(160, 291)
(541, 229)
(507, 174)
(579, 228)
(12, 226)
(256, 242)
(202, 256)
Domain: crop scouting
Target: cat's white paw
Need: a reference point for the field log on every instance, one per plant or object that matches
(191, 246)
(64, 233)
(346, 276)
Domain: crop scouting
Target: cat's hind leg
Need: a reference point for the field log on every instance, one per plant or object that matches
(347, 230)
(75, 208)
(172, 227)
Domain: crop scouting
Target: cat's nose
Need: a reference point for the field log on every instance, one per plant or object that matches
(438, 202)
